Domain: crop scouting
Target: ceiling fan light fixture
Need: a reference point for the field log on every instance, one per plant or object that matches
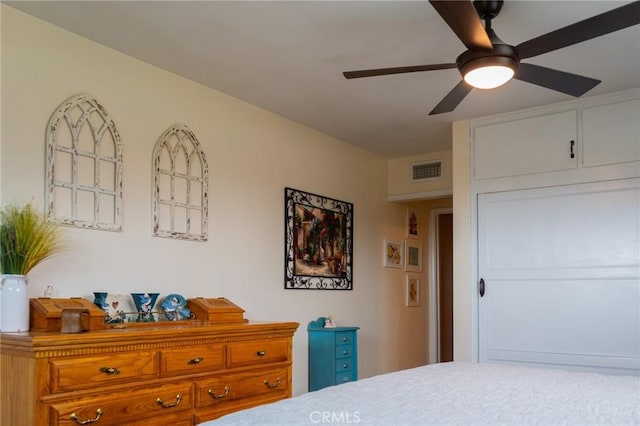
(489, 72)
(489, 77)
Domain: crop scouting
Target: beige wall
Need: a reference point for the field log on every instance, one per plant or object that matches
(462, 289)
(252, 153)
(402, 188)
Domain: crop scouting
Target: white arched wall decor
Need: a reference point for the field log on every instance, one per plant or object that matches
(84, 166)
(180, 186)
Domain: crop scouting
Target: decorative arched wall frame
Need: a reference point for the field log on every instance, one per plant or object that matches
(84, 166)
(180, 186)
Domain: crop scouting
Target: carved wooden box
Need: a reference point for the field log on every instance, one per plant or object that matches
(45, 313)
(216, 310)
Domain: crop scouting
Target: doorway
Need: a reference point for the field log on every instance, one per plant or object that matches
(441, 288)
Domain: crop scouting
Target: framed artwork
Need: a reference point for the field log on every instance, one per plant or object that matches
(413, 291)
(413, 257)
(318, 243)
(413, 223)
(393, 254)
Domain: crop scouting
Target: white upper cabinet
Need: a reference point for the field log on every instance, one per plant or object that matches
(611, 134)
(544, 143)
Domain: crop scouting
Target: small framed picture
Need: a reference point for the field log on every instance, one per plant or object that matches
(413, 291)
(393, 254)
(413, 223)
(413, 257)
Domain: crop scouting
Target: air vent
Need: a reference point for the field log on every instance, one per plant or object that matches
(422, 171)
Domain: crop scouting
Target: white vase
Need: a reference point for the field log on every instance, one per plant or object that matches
(14, 304)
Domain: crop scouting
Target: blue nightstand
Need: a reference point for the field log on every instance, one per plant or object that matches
(333, 355)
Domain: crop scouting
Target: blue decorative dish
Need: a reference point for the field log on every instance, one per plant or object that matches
(175, 308)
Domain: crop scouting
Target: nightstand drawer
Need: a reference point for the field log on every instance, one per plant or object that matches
(344, 351)
(196, 359)
(126, 406)
(345, 364)
(344, 337)
(89, 372)
(220, 389)
(260, 352)
(344, 377)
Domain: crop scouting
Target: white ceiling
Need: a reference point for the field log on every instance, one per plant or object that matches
(288, 57)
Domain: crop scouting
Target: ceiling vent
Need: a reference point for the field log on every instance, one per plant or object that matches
(423, 171)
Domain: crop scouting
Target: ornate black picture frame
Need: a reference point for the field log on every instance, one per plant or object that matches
(318, 249)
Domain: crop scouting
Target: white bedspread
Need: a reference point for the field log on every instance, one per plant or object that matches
(467, 394)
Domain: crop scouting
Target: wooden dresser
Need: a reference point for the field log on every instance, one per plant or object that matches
(152, 375)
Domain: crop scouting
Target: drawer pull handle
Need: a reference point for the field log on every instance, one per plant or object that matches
(169, 404)
(273, 385)
(220, 396)
(345, 352)
(195, 361)
(74, 417)
(345, 366)
(110, 371)
(261, 353)
(344, 339)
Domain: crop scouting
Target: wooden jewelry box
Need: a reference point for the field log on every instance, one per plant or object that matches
(45, 313)
(216, 310)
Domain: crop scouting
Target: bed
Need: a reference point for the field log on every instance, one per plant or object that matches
(460, 394)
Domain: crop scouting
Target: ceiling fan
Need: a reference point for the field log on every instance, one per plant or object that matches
(489, 62)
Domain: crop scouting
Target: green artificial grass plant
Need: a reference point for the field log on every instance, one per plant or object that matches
(26, 239)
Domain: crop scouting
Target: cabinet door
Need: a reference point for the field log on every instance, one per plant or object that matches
(561, 267)
(611, 134)
(532, 145)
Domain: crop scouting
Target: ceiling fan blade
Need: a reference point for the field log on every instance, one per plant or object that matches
(571, 84)
(463, 19)
(453, 98)
(396, 70)
(596, 26)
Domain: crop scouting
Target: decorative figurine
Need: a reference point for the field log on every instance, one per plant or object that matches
(329, 322)
(112, 304)
(175, 308)
(144, 306)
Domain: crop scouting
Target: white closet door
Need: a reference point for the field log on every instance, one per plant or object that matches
(561, 268)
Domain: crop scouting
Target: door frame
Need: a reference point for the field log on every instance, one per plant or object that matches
(434, 279)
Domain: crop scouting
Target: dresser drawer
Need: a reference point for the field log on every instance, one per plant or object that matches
(344, 351)
(345, 364)
(88, 372)
(345, 376)
(195, 359)
(180, 419)
(344, 337)
(260, 352)
(133, 405)
(218, 390)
